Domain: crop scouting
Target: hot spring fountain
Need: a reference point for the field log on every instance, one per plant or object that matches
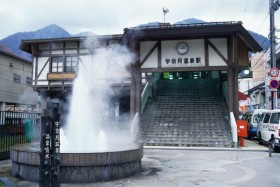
(92, 147)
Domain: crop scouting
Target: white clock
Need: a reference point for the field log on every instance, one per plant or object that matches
(182, 48)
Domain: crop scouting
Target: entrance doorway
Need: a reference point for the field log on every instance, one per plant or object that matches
(196, 83)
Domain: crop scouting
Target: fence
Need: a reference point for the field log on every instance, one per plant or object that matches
(17, 128)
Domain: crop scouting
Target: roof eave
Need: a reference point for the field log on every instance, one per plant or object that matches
(200, 30)
(26, 44)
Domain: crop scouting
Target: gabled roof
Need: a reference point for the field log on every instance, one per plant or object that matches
(195, 30)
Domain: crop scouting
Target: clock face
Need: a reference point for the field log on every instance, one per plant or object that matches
(182, 48)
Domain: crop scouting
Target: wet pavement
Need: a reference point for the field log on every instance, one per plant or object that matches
(207, 167)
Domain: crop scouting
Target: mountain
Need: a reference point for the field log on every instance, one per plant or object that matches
(190, 21)
(11, 43)
(87, 33)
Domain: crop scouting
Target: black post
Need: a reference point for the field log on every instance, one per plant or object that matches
(55, 147)
(45, 153)
(50, 148)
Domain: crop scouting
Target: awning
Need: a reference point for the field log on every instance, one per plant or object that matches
(241, 96)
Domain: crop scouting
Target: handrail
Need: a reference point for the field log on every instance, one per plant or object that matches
(146, 93)
(134, 128)
(225, 92)
(233, 129)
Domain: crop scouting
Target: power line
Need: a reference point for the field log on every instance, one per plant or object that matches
(263, 21)
(246, 6)
(260, 58)
(259, 6)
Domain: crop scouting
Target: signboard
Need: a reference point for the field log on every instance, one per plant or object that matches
(274, 72)
(61, 76)
(182, 53)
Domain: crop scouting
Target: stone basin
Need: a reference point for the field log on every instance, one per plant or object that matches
(78, 167)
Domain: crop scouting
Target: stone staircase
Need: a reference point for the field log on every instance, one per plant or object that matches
(179, 120)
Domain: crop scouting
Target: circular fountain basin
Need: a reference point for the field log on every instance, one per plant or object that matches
(78, 167)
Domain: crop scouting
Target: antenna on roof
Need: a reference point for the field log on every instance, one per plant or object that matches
(165, 11)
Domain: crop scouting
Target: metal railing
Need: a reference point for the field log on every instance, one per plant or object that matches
(146, 93)
(225, 92)
(17, 128)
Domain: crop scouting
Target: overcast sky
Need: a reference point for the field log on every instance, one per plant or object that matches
(112, 16)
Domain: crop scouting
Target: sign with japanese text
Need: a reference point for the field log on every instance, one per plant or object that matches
(194, 57)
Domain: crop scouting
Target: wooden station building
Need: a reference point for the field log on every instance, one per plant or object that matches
(205, 56)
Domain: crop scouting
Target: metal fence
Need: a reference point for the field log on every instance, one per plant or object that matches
(17, 128)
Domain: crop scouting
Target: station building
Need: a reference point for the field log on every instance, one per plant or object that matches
(183, 81)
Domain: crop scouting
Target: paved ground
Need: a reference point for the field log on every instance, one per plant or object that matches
(172, 167)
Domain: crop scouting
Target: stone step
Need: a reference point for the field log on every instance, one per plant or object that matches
(185, 121)
(189, 144)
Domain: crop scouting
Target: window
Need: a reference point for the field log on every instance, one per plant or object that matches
(262, 116)
(256, 118)
(44, 47)
(16, 78)
(28, 81)
(71, 45)
(266, 118)
(274, 118)
(57, 46)
(71, 64)
(57, 64)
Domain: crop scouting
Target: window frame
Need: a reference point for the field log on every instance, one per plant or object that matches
(29, 81)
(72, 68)
(57, 64)
(265, 119)
(271, 118)
(16, 78)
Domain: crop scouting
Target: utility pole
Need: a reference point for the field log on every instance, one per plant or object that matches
(273, 7)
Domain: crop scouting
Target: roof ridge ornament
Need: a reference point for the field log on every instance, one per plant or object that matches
(165, 11)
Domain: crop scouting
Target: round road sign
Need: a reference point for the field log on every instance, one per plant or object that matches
(274, 84)
(274, 72)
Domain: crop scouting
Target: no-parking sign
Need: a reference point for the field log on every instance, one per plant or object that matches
(274, 84)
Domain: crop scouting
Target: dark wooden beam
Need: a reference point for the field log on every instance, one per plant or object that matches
(230, 75)
(36, 72)
(159, 54)
(43, 67)
(135, 89)
(235, 77)
(217, 51)
(149, 53)
(182, 69)
(206, 52)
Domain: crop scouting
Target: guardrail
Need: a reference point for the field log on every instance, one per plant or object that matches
(233, 129)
